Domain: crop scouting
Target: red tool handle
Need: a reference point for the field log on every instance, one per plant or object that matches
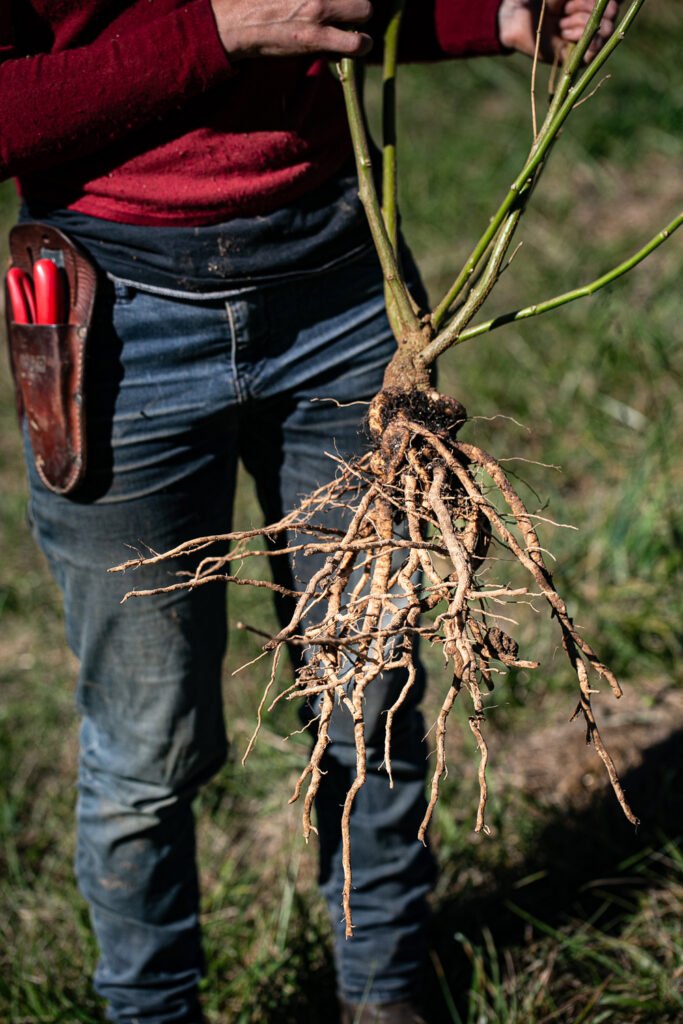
(20, 291)
(49, 290)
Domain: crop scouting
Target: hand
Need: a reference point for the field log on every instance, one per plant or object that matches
(289, 28)
(563, 23)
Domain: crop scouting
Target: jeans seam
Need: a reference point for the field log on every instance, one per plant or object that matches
(233, 352)
(182, 296)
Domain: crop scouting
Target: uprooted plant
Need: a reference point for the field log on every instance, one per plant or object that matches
(422, 506)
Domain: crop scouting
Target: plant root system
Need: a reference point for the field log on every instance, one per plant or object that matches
(421, 509)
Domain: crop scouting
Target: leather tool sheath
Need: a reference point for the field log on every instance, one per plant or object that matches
(48, 360)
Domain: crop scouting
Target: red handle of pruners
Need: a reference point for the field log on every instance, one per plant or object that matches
(20, 293)
(48, 286)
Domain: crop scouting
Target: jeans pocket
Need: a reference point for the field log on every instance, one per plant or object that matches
(124, 293)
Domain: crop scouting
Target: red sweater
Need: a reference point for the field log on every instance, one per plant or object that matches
(130, 110)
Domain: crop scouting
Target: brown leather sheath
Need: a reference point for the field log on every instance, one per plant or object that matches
(48, 360)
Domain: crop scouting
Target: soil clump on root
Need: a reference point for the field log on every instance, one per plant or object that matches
(420, 511)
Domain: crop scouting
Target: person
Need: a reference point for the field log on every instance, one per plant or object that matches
(197, 151)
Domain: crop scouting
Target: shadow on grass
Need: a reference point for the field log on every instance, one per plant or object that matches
(578, 856)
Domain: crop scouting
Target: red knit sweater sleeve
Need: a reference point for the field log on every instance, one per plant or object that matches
(468, 27)
(433, 29)
(73, 102)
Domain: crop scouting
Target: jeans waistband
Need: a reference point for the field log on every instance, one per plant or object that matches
(249, 285)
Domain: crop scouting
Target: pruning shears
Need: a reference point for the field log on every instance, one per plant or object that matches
(37, 300)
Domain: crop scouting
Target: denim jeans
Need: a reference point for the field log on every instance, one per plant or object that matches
(179, 389)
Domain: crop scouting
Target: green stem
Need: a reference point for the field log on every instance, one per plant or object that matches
(404, 321)
(389, 174)
(574, 58)
(524, 179)
(571, 296)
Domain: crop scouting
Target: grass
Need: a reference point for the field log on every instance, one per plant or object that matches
(566, 915)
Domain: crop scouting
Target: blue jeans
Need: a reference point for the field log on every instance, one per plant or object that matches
(180, 388)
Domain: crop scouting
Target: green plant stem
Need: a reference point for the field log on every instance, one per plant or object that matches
(546, 136)
(576, 293)
(573, 60)
(478, 294)
(402, 317)
(389, 158)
